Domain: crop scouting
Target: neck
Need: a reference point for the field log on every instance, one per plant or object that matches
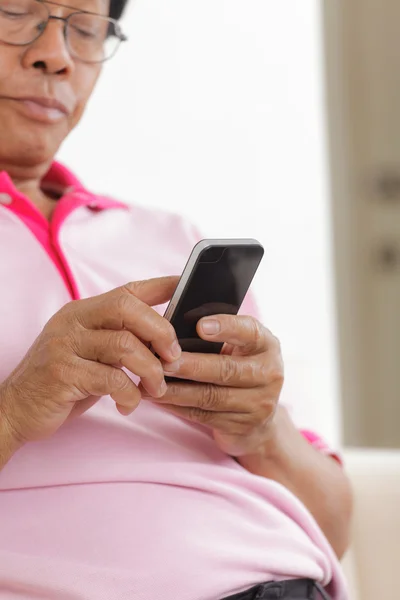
(29, 182)
(45, 201)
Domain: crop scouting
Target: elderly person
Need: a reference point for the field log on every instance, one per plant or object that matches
(113, 484)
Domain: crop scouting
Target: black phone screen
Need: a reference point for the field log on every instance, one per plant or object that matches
(218, 284)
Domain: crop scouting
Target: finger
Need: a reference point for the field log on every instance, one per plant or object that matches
(239, 445)
(122, 349)
(98, 380)
(125, 309)
(152, 291)
(207, 397)
(235, 424)
(245, 332)
(219, 369)
(251, 408)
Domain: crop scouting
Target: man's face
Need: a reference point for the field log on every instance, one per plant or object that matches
(31, 132)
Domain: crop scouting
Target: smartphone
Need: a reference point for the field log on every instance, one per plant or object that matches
(215, 280)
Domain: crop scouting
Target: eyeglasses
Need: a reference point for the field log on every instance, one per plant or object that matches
(90, 38)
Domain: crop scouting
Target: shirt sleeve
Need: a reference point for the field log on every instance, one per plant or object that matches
(321, 445)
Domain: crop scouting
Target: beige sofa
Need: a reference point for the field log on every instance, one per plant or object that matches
(373, 564)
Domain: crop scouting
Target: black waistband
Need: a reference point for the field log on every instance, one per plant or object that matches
(294, 589)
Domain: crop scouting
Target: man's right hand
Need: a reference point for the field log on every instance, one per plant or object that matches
(79, 356)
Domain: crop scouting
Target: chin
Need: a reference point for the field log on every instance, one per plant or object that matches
(32, 148)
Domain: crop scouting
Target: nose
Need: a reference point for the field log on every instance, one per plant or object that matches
(50, 52)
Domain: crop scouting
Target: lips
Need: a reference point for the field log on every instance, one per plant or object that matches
(50, 103)
(43, 109)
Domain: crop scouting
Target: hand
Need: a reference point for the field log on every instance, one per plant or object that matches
(235, 393)
(80, 354)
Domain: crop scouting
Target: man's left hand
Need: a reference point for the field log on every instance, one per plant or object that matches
(235, 393)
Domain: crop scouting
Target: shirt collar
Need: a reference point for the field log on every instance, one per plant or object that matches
(60, 178)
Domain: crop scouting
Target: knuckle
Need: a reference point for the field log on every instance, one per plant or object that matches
(49, 350)
(61, 372)
(64, 311)
(53, 324)
(173, 390)
(264, 371)
(68, 315)
(256, 419)
(52, 342)
(156, 371)
(258, 332)
(266, 410)
(162, 331)
(260, 406)
(196, 369)
(134, 397)
(255, 410)
(167, 330)
(115, 379)
(198, 414)
(133, 287)
(255, 373)
(122, 303)
(124, 343)
(211, 397)
(230, 370)
(72, 341)
(276, 376)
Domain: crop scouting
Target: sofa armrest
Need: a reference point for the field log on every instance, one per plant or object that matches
(374, 559)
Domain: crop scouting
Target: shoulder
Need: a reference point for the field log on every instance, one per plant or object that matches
(127, 217)
(169, 227)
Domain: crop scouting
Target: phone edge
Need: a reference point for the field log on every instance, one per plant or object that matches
(193, 258)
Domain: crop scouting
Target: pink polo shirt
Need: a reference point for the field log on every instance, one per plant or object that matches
(137, 508)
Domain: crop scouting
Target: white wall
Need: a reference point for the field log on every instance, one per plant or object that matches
(215, 109)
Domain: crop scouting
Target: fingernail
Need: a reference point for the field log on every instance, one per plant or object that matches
(125, 411)
(176, 350)
(211, 326)
(172, 367)
(163, 388)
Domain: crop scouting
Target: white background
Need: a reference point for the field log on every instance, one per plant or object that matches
(215, 109)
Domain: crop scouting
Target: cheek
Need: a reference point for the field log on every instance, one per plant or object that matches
(9, 62)
(84, 81)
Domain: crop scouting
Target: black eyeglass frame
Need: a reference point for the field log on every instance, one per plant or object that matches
(117, 29)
